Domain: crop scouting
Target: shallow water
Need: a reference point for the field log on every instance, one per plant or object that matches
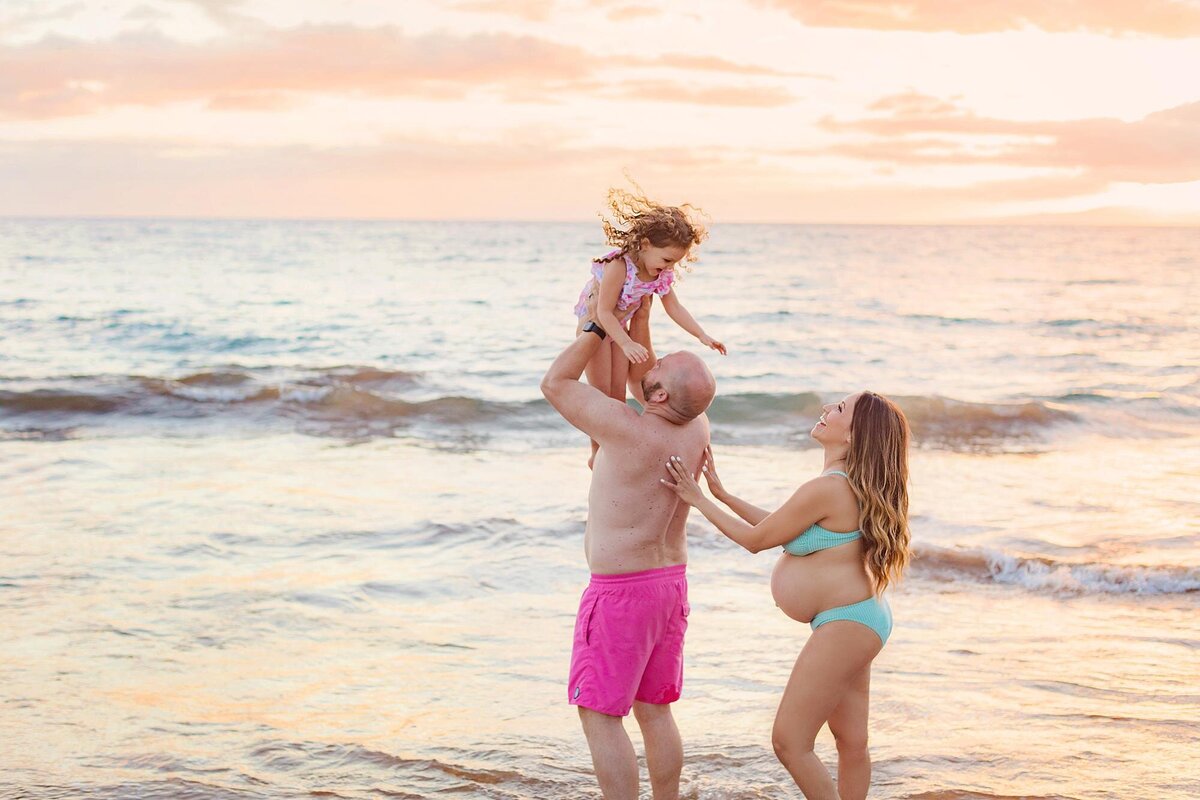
(284, 514)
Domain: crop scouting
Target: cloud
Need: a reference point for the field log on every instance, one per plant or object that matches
(543, 10)
(717, 64)
(146, 13)
(532, 10)
(1162, 147)
(652, 91)
(629, 13)
(17, 16)
(253, 101)
(521, 176)
(57, 76)
(524, 174)
(1166, 18)
(218, 10)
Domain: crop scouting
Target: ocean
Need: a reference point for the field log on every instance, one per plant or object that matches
(283, 513)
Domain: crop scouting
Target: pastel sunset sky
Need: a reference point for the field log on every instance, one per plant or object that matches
(757, 110)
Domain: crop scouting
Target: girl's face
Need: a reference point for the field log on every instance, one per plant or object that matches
(834, 425)
(656, 259)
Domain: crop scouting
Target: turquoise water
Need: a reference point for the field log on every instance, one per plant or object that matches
(284, 511)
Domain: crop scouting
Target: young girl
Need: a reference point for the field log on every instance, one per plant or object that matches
(650, 240)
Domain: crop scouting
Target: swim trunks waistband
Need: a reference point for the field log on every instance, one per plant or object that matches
(646, 575)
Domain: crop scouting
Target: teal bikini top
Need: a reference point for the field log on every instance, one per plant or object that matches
(818, 538)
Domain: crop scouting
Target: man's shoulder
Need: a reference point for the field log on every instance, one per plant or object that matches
(671, 433)
(692, 426)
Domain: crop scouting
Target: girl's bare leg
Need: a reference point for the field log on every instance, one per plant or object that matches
(827, 672)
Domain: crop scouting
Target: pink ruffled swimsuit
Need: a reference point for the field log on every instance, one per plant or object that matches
(631, 293)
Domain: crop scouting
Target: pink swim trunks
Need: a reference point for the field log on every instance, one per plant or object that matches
(629, 640)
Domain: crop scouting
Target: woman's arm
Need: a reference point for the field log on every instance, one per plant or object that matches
(684, 319)
(747, 511)
(807, 505)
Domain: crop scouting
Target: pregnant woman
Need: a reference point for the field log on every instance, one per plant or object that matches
(845, 539)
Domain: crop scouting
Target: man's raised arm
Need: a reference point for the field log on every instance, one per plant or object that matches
(584, 406)
(639, 331)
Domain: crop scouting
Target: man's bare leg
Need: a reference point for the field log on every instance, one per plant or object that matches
(664, 748)
(639, 331)
(613, 757)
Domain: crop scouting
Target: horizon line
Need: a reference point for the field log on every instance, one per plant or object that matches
(1051, 221)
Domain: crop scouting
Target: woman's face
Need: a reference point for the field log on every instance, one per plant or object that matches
(834, 425)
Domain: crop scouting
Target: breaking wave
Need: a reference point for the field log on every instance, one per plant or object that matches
(367, 401)
(1042, 574)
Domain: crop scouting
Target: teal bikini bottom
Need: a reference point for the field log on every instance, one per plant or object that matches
(873, 612)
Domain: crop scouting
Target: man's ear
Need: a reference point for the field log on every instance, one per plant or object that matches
(659, 395)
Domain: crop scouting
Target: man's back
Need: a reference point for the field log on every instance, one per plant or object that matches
(634, 522)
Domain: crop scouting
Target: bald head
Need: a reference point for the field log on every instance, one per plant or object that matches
(682, 383)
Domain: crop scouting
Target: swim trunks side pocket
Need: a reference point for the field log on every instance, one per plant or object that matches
(583, 622)
(685, 608)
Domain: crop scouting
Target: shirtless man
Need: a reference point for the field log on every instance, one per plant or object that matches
(628, 645)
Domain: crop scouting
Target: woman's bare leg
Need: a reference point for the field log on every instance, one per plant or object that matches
(848, 724)
(822, 678)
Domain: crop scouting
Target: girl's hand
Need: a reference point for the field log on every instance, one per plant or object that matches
(635, 352)
(708, 341)
(685, 486)
(710, 474)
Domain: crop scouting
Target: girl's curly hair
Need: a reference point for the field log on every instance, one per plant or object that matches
(633, 217)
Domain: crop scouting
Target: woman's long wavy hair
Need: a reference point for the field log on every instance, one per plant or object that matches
(877, 464)
(632, 217)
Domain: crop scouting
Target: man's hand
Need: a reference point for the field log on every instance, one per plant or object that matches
(642, 313)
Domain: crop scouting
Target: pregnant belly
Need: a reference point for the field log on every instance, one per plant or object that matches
(804, 586)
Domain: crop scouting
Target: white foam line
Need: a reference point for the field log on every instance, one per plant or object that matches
(1090, 578)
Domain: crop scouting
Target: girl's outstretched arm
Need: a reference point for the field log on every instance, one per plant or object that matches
(684, 319)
